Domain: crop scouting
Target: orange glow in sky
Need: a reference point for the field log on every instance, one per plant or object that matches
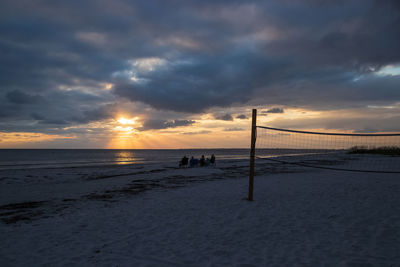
(23, 139)
(126, 131)
(126, 121)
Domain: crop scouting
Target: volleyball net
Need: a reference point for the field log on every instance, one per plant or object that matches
(378, 153)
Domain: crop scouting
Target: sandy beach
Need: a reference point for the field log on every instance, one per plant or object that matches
(160, 215)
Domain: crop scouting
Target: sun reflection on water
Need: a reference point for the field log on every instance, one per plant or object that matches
(125, 157)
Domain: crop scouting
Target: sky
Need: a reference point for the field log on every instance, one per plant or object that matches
(186, 74)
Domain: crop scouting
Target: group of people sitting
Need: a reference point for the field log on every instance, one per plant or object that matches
(197, 162)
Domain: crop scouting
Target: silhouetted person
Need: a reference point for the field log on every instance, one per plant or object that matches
(202, 161)
(212, 160)
(184, 162)
(193, 162)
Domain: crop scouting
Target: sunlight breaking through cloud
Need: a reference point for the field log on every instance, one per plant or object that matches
(391, 70)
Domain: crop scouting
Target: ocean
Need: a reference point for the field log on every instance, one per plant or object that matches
(54, 158)
(61, 158)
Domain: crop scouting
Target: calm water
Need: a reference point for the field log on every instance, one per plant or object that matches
(38, 158)
(53, 158)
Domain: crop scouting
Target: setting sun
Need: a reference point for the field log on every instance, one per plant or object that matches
(126, 121)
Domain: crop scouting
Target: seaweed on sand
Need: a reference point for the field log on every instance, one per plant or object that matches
(385, 150)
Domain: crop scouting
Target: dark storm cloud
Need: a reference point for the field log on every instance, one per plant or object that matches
(178, 123)
(241, 117)
(156, 124)
(43, 112)
(273, 110)
(310, 53)
(310, 46)
(19, 97)
(368, 89)
(201, 83)
(223, 117)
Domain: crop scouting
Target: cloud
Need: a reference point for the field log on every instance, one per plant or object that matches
(178, 123)
(153, 124)
(273, 110)
(235, 129)
(56, 58)
(198, 132)
(156, 124)
(23, 111)
(316, 51)
(195, 84)
(18, 97)
(241, 117)
(223, 117)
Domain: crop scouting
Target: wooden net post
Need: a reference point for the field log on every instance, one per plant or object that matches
(252, 153)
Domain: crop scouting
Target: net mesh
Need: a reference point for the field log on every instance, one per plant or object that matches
(348, 152)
